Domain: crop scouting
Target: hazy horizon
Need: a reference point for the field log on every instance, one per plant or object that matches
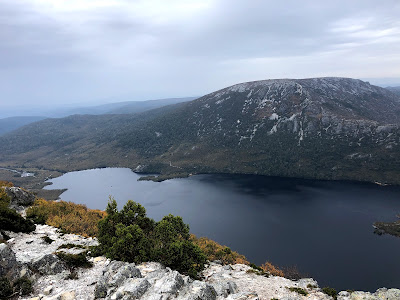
(91, 52)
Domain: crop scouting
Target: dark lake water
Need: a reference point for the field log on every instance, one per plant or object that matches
(324, 228)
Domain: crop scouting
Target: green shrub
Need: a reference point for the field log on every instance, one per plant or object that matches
(70, 246)
(23, 286)
(298, 290)
(5, 288)
(256, 267)
(10, 219)
(75, 260)
(330, 292)
(129, 235)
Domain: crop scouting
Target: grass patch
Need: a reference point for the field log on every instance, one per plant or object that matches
(67, 216)
(215, 251)
(271, 269)
(298, 291)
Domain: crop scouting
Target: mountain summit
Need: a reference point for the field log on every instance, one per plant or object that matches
(326, 128)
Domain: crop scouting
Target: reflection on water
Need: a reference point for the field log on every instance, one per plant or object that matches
(322, 227)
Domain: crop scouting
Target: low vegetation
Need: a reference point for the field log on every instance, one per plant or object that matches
(392, 228)
(68, 216)
(330, 292)
(215, 251)
(298, 290)
(129, 235)
(271, 269)
(9, 218)
(74, 260)
(21, 287)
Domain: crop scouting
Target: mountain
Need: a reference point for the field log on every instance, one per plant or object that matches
(12, 123)
(141, 106)
(394, 89)
(126, 107)
(325, 128)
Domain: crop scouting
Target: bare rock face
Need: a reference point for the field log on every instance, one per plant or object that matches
(48, 264)
(10, 267)
(112, 280)
(19, 197)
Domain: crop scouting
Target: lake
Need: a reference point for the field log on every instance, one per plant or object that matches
(324, 228)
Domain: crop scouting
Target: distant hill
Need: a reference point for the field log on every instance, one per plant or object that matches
(141, 106)
(128, 107)
(12, 123)
(394, 89)
(325, 128)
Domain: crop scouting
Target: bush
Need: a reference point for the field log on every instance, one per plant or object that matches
(75, 260)
(271, 269)
(68, 216)
(5, 288)
(129, 235)
(298, 290)
(330, 292)
(10, 219)
(23, 286)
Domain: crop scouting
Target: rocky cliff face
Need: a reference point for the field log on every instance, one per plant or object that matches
(30, 256)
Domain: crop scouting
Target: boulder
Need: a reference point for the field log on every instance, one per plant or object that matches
(198, 290)
(48, 264)
(9, 266)
(225, 288)
(114, 276)
(133, 288)
(19, 197)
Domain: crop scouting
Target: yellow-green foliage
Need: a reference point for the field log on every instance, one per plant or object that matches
(215, 251)
(6, 183)
(68, 216)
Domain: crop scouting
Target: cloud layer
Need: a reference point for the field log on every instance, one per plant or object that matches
(58, 51)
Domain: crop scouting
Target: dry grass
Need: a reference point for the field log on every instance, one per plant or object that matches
(68, 216)
(6, 183)
(215, 251)
(271, 269)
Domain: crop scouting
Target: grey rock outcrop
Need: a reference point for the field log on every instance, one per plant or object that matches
(19, 198)
(148, 281)
(49, 264)
(380, 294)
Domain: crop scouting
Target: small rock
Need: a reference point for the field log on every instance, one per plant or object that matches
(48, 290)
(67, 296)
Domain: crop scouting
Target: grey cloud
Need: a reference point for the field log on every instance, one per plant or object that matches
(114, 50)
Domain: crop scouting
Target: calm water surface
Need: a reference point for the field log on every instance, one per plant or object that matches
(324, 228)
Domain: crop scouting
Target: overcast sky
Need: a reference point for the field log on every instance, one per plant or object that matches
(70, 51)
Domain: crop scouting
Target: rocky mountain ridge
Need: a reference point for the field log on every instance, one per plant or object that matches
(29, 255)
(323, 128)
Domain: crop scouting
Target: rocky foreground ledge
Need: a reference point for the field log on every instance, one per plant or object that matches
(32, 255)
